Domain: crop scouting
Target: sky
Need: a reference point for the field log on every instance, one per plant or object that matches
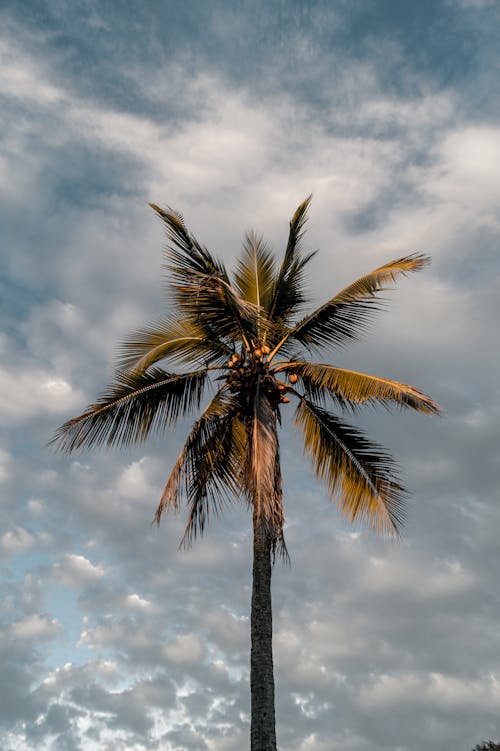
(233, 112)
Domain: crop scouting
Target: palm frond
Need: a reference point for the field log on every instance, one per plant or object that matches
(262, 475)
(293, 247)
(291, 293)
(184, 253)
(174, 487)
(184, 341)
(288, 294)
(255, 271)
(296, 233)
(215, 472)
(200, 284)
(215, 305)
(208, 470)
(349, 388)
(346, 315)
(135, 405)
(357, 471)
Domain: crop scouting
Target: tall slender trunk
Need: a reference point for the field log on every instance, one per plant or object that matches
(262, 728)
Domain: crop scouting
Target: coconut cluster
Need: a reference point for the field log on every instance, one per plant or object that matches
(243, 370)
(239, 373)
(275, 390)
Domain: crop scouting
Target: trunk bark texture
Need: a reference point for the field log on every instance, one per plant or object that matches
(262, 728)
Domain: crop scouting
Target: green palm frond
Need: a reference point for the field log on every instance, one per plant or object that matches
(131, 408)
(346, 315)
(349, 388)
(357, 471)
(288, 294)
(184, 341)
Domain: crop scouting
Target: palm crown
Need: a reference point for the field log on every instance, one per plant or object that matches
(247, 337)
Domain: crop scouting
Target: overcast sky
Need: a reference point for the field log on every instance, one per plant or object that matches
(233, 112)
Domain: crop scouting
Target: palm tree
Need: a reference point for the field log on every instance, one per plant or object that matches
(244, 337)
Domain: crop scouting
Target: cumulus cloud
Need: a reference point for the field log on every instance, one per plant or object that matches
(35, 627)
(30, 394)
(17, 540)
(135, 602)
(185, 648)
(134, 482)
(432, 689)
(76, 571)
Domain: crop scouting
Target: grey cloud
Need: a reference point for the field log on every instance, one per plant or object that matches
(184, 737)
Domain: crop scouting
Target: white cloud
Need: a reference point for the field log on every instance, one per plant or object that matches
(76, 571)
(119, 635)
(465, 173)
(134, 481)
(36, 506)
(17, 540)
(438, 579)
(20, 77)
(34, 627)
(34, 392)
(432, 689)
(233, 630)
(184, 649)
(134, 602)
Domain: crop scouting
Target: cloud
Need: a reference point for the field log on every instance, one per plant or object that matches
(432, 690)
(465, 175)
(39, 627)
(36, 506)
(76, 571)
(185, 648)
(134, 483)
(5, 459)
(17, 540)
(135, 602)
(30, 394)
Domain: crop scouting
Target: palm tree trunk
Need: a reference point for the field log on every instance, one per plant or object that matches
(262, 728)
